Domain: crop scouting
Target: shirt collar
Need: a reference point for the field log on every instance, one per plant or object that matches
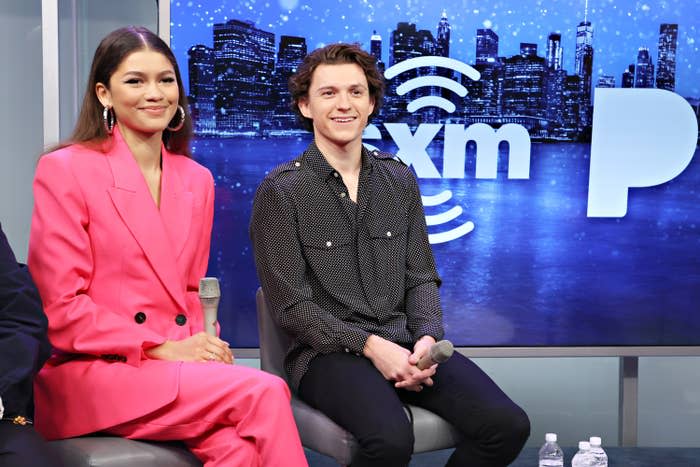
(314, 159)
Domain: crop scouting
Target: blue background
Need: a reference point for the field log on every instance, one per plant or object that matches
(535, 271)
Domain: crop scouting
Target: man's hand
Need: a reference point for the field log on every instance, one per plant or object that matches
(200, 347)
(421, 347)
(393, 363)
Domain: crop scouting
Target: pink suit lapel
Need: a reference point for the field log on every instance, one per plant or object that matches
(161, 234)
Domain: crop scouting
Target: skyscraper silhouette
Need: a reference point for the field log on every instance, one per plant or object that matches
(523, 83)
(376, 51)
(292, 50)
(628, 77)
(486, 46)
(668, 41)
(644, 75)
(442, 46)
(244, 66)
(584, 68)
(554, 51)
(200, 63)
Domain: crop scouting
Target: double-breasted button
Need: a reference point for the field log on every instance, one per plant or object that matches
(343, 194)
(297, 164)
(329, 244)
(388, 234)
(180, 319)
(140, 317)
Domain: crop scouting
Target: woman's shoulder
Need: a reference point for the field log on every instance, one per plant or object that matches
(187, 164)
(70, 155)
(190, 168)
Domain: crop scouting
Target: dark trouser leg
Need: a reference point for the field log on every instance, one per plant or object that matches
(21, 445)
(494, 427)
(352, 393)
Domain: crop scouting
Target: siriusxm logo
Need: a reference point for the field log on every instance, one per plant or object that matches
(640, 138)
(412, 147)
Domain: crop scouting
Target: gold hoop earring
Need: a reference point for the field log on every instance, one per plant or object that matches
(108, 119)
(177, 127)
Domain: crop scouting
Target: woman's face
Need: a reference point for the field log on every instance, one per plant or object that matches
(143, 92)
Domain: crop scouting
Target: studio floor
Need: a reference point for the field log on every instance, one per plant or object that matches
(617, 456)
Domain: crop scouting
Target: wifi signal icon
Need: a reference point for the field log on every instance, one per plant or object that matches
(432, 81)
(436, 101)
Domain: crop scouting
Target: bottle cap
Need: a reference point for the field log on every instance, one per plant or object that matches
(584, 445)
(550, 437)
(595, 440)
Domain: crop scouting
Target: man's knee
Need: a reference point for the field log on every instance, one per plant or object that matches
(389, 445)
(509, 428)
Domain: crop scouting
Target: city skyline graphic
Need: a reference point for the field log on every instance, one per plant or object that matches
(237, 83)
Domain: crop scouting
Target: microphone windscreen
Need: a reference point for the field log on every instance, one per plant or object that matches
(209, 287)
(441, 351)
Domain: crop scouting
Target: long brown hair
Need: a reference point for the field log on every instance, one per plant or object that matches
(113, 49)
(335, 54)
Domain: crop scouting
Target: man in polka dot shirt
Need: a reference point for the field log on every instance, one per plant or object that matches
(342, 254)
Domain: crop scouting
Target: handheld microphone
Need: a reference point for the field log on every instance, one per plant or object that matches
(209, 295)
(439, 352)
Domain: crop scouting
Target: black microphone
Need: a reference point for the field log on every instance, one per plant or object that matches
(209, 295)
(439, 352)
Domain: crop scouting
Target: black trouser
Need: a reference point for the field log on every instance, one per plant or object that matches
(352, 392)
(21, 446)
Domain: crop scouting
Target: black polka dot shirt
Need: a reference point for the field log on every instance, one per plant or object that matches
(335, 271)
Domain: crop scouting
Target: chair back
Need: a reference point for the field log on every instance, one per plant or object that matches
(274, 341)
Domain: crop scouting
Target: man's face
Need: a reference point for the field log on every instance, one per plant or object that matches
(339, 104)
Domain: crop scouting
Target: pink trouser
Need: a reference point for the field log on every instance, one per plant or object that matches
(227, 415)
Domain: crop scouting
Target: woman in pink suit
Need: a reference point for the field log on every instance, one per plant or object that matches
(119, 240)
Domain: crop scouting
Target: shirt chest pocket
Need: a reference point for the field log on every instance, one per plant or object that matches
(328, 249)
(387, 237)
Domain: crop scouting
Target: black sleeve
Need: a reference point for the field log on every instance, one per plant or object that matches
(24, 346)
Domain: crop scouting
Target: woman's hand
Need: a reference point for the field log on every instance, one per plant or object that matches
(200, 347)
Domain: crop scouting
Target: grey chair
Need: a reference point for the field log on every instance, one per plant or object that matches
(113, 451)
(319, 432)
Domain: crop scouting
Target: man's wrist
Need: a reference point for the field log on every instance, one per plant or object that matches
(370, 343)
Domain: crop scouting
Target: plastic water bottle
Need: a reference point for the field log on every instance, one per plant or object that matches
(551, 454)
(598, 456)
(583, 456)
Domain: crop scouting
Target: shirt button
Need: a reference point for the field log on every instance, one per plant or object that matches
(297, 164)
(388, 234)
(347, 350)
(329, 244)
(336, 174)
(342, 194)
(140, 317)
(180, 319)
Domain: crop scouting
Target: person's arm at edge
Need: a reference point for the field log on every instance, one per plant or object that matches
(23, 323)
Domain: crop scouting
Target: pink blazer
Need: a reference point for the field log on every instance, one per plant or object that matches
(116, 275)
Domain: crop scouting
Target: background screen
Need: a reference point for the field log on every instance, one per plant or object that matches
(495, 113)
